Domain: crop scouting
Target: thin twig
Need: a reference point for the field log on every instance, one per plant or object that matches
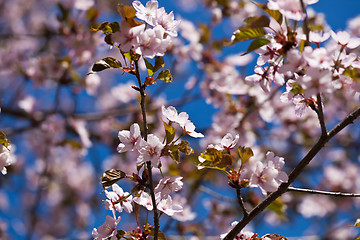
(219, 196)
(312, 191)
(241, 202)
(293, 175)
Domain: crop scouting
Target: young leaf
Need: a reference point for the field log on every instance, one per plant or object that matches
(275, 14)
(4, 141)
(257, 22)
(161, 235)
(170, 132)
(105, 63)
(257, 43)
(159, 63)
(185, 148)
(244, 34)
(111, 176)
(174, 153)
(149, 67)
(245, 154)
(215, 159)
(129, 14)
(165, 76)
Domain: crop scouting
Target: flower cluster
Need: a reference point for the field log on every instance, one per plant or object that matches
(148, 42)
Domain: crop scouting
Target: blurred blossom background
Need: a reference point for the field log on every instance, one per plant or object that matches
(63, 124)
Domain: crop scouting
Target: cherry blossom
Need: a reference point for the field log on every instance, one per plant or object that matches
(144, 200)
(147, 13)
(6, 158)
(107, 230)
(344, 39)
(118, 200)
(167, 206)
(168, 185)
(182, 119)
(153, 42)
(151, 151)
(166, 21)
(290, 8)
(130, 140)
(127, 37)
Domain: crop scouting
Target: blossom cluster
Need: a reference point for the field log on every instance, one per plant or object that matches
(150, 150)
(151, 38)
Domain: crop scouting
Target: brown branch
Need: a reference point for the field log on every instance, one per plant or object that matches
(148, 163)
(320, 114)
(332, 194)
(293, 175)
(241, 202)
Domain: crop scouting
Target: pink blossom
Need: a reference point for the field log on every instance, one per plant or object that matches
(130, 140)
(182, 119)
(27, 103)
(118, 200)
(7, 158)
(148, 12)
(144, 200)
(127, 37)
(265, 76)
(317, 58)
(227, 142)
(186, 214)
(153, 42)
(242, 235)
(290, 8)
(168, 185)
(264, 177)
(189, 128)
(166, 21)
(344, 39)
(107, 230)
(150, 150)
(80, 128)
(168, 207)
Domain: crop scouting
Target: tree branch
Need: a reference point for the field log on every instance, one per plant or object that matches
(293, 175)
(320, 114)
(312, 191)
(148, 163)
(241, 202)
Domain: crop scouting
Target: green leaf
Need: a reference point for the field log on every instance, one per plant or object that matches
(4, 141)
(244, 34)
(105, 63)
(257, 43)
(111, 176)
(245, 154)
(161, 235)
(149, 67)
(215, 159)
(174, 153)
(275, 14)
(257, 22)
(165, 76)
(170, 132)
(159, 63)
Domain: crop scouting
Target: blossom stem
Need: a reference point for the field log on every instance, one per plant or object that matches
(327, 193)
(148, 163)
(293, 175)
(306, 24)
(241, 202)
